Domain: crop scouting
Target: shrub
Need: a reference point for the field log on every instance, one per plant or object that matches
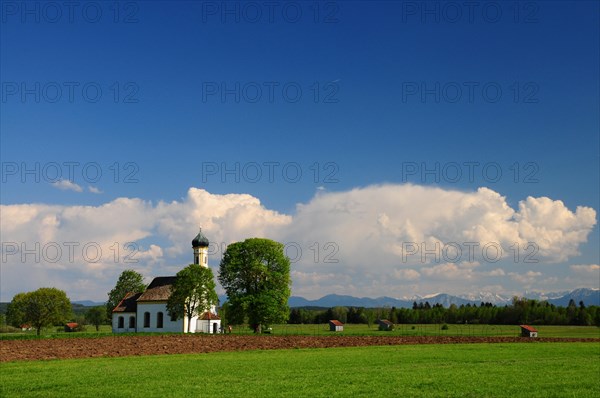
(9, 329)
(444, 327)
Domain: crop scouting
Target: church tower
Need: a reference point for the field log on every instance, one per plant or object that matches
(209, 322)
(200, 246)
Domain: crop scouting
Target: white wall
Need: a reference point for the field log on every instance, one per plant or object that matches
(207, 326)
(125, 328)
(154, 309)
(185, 324)
(178, 326)
(198, 326)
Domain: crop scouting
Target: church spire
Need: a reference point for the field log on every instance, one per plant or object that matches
(200, 245)
(200, 240)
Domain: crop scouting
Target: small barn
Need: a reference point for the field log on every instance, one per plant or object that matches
(384, 324)
(25, 327)
(528, 331)
(336, 326)
(71, 327)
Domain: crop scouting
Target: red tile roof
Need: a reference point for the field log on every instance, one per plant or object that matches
(335, 322)
(72, 325)
(208, 316)
(528, 328)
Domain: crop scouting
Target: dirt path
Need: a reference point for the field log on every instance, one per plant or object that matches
(117, 346)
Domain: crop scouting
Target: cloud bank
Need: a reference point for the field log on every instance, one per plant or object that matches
(370, 241)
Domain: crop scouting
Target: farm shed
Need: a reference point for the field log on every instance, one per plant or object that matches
(336, 326)
(71, 326)
(384, 324)
(528, 331)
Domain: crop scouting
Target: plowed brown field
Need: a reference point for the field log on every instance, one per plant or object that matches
(116, 346)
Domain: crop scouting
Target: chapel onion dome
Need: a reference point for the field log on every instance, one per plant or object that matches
(200, 240)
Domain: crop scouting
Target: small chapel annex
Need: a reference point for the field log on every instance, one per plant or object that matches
(147, 311)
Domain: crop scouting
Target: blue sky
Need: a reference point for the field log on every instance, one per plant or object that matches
(389, 90)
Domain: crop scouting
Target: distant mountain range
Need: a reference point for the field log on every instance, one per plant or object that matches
(588, 296)
(89, 303)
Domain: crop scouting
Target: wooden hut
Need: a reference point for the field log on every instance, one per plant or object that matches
(528, 331)
(336, 326)
(384, 324)
(71, 327)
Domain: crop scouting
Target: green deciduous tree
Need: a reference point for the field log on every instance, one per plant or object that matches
(15, 313)
(370, 315)
(338, 313)
(129, 281)
(44, 307)
(96, 316)
(193, 293)
(255, 274)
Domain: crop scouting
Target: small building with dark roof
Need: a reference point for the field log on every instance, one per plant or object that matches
(147, 311)
(386, 325)
(336, 326)
(528, 331)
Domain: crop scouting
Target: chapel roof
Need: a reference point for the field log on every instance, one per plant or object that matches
(128, 303)
(159, 289)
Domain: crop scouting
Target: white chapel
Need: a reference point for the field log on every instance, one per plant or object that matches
(147, 311)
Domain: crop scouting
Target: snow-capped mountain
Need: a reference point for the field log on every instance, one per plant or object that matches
(545, 296)
(588, 296)
(487, 297)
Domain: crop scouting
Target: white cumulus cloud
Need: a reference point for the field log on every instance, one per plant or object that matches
(586, 269)
(94, 190)
(526, 278)
(350, 242)
(67, 185)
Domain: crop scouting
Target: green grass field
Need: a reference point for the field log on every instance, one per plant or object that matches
(461, 370)
(362, 330)
(435, 330)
